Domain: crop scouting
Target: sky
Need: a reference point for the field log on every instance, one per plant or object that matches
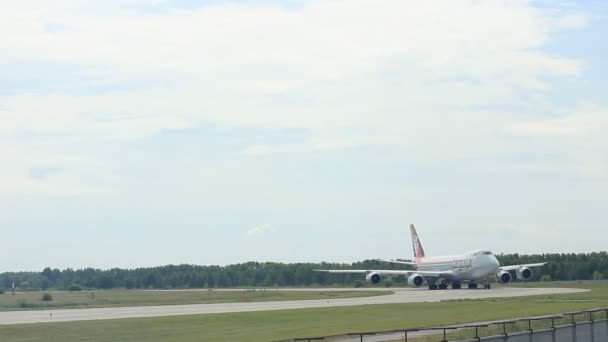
(150, 132)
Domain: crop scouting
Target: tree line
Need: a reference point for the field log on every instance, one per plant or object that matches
(270, 274)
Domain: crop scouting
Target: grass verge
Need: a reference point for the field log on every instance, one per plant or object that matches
(116, 298)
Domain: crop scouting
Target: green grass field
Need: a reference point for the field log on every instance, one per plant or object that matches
(119, 297)
(274, 325)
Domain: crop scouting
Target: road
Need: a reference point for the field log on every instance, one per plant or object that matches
(400, 295)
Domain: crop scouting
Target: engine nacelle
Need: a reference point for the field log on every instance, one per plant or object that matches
(415, 280)
(503, 277)
(373, 278)
(524, 273)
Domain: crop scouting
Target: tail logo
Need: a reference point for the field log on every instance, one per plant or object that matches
(417, 246)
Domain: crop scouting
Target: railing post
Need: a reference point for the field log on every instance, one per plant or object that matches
(606, 322)
(504, 330)
(592, 325)
(406, 336)
(477, 334)
(573, 328)
(444, 337)
(553, 332)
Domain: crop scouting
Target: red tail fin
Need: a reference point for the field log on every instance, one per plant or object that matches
(418, 250)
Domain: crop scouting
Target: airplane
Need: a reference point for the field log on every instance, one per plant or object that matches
(471, 268)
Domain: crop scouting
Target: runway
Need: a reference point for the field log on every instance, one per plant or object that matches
(400, 295)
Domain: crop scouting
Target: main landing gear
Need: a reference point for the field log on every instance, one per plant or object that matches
(440, 286)
(456, 285)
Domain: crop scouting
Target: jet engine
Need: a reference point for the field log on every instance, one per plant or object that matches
(373, 278)
(415, 280)
(503, 277)
(524, 273)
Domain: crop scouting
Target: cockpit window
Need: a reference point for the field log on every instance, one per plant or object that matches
(487, 253)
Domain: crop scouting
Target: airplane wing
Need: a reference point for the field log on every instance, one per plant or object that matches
(397, 262)
(516, 267)
(430, 274)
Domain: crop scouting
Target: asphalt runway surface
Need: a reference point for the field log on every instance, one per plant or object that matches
(400, 295)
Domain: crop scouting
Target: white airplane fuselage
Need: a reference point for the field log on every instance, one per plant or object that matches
(476, 265)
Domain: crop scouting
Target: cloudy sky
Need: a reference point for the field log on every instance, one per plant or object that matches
(148, 132)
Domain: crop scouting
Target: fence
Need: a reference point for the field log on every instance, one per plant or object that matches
(580, 326)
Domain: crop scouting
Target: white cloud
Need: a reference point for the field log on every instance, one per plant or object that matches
(260, 230)
(579, 138)
(574, 21)
(23, 163)
(351, 73)
(582, 126)
(321, 143)
(226, 63)
(397, 70)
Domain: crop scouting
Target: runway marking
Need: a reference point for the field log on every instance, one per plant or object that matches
(400, 295)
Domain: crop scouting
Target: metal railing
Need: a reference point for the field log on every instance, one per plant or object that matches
(572, 320)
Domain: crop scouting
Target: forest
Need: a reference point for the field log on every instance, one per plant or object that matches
(582, 266)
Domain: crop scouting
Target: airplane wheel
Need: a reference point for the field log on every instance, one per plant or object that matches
(456, 286)
(433, 287)
(472, 285)
(443, 286)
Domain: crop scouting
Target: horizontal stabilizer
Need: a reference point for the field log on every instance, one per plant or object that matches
(397, 262)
